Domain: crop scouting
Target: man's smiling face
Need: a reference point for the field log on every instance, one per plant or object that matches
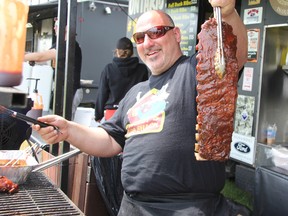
(161, 53)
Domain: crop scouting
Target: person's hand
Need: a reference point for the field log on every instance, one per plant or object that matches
(227, 6)
(49, 134)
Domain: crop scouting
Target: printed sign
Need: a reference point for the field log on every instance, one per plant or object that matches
(180, 3)
(243, 148)
(253, 15)
(244, 115)
(253, 2)
(247, 78)
(253, 44)
(186, 18)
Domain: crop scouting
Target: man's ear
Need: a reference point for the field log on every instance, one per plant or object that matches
(177, 33)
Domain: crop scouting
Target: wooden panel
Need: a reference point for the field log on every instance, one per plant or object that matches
(54, 172)
(82, 190)
(78, 184)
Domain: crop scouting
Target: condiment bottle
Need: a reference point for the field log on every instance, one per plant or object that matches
(36, 97)
(13, 20)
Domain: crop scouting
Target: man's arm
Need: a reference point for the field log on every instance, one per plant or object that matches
(230, 16)
(41, 56)
(240, 31)
(94, 141)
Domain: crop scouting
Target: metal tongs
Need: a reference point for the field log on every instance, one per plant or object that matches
(219, 56)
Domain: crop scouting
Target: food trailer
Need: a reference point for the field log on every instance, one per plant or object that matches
(260, 134)
(263, 90)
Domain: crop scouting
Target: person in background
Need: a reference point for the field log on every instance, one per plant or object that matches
(50, 54)
(117, 78)
(154, 126)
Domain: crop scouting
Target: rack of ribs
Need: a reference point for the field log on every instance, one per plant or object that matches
(217, 94)
(7, 186)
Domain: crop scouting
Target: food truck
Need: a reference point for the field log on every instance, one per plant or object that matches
(260, 133)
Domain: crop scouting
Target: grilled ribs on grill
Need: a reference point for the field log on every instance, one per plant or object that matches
(6, 185)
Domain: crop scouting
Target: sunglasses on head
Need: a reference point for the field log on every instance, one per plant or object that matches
(153, 33)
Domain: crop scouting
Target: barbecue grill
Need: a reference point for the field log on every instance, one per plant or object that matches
(37, 196)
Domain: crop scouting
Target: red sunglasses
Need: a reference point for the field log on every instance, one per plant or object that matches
(153, 33)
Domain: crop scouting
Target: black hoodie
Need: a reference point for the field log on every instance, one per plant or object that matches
(116, 80)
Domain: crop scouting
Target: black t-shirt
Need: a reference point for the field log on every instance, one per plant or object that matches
(155, 124)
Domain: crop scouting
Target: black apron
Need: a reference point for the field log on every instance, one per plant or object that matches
(180, 205)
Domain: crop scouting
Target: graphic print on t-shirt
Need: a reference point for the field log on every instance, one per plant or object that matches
(148, 113)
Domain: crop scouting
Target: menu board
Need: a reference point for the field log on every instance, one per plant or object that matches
(186, 18)
(184, 13)
(180, 3)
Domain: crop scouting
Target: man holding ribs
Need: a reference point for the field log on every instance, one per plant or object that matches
(154, 125)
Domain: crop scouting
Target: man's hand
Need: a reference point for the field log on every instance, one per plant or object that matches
(49, 134)
(227, 6)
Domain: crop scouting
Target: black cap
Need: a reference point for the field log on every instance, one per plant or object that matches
(124, 43)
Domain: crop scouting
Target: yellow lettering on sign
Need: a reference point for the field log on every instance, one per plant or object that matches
(253, 2)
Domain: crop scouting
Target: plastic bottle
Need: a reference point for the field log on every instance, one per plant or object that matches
(37, 99)
(271, 134)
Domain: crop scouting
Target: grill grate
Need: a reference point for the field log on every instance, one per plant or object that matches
(37, 196)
